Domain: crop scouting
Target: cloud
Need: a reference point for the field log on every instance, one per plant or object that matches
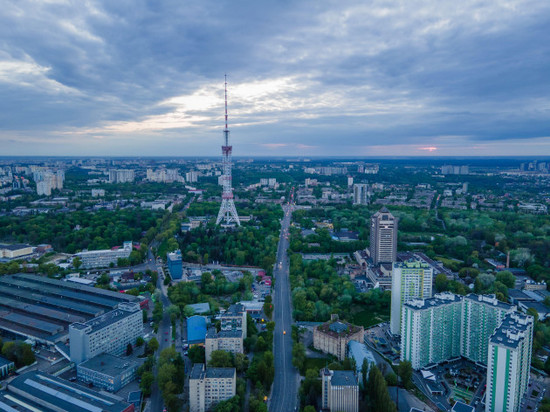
(328, 77)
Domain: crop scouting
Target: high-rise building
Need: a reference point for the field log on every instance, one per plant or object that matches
(383, 237)
(340, 391)
(192, 176)
(121, 175)
(360, 194)
(110, 333)
(481, 315)
(175, 264)
(509, 361)
(412, 279)
(209, 386)
(430, 329)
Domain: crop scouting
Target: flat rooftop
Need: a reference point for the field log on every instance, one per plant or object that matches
(343, 378)
(439, 299)
(107, 318)
(110, 365)
(46, 389)
(512, 330)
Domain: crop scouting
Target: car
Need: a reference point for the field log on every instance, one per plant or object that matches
(284, 332)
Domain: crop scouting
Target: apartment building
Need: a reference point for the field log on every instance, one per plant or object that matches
(226, 340)
(333, 336)
(234, 318)
(104, 258)
(209, 386)
(383, 237)
(509, 363)
(412, 279)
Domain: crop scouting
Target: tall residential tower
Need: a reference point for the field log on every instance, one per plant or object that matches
(228, 213)
(383, 237)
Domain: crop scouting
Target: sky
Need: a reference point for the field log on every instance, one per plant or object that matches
(305, 78)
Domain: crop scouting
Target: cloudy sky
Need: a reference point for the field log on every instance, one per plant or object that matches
(346, 78)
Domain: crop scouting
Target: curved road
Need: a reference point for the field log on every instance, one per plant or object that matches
(285, 385)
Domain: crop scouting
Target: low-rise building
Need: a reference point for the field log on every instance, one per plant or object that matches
(340, 391)
(104, 258)
(226, 340)
(39, 391)
(196, 330)
(15, 251)
(110, 333)
(6, 366)
(333, 336)
(360, 353)
(107, 371)
(209, 386)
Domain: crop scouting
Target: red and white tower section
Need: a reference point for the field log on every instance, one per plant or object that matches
(227, 215)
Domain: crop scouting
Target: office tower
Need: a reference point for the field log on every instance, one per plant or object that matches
(340, 391)
(383, 237)
(360, 194)
(481, 315)
(430, 329)
(228, 213)
(175, 264)
(209, 386)
(410, 280)
(110, 333)
(509, 360)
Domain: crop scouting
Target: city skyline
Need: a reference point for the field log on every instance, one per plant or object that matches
(414, 79)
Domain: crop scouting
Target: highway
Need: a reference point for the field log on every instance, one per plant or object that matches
(285, 386)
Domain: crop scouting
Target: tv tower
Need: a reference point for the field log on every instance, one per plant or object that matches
(227, 212)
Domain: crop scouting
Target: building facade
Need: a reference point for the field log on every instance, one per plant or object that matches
(509, 363)
(107, 371)
(481, 315)
(234, 318)
(110, 333)
(383, 237)
(209, 386)
(104, 258)
(226, 340)
(175, 265)
(430, 329)
(333, 337)
(412, 279)
(340, 391)
(6, 366)
(360, 194)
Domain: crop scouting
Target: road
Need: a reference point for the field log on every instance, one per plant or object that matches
(285, 385)
(164, 335)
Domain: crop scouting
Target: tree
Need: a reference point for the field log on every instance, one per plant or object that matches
(147, 379)
(441, 282)
(221, 359)
(298, 355)
(378, 392)
(166, 373)
(129, 349)
(188, 311)
(405, 373)
(309, 408)
(196, 354)
(507, 278)
(153, 345)
(103, 279)
(241, 362)
(145, 316)
(139, 341)
(77, 262)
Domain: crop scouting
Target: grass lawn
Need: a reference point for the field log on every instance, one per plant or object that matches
(368, 318)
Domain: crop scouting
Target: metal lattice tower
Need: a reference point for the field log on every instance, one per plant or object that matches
(227, 214)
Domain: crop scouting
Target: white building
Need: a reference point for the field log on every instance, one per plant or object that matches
(383, 237)
(109, 333)
(98, 192)
(209, 386)
(192, 176)
(121, 175)
(360, 194)
(103, 258)
(509, 363)
(226, 340)
(410, 280)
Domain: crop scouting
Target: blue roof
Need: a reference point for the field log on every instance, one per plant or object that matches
(196, 329)
(462, 407)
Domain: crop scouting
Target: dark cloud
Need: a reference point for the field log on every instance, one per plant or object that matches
(147, 76)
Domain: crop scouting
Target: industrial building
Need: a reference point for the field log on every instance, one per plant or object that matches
(107, 371)
(42, 309)
(110, 333)
(334, 336)
(38, 391)
(6, 366)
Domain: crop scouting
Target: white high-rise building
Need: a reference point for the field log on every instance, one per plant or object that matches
(509, 362)
(209, 386)
(121, 175)
(360, 194)
(192, 176)
(383, 237)
(410, 280)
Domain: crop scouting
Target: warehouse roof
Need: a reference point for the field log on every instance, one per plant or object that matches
(107, 364)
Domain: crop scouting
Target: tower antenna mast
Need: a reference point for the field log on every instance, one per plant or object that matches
(227, 215)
